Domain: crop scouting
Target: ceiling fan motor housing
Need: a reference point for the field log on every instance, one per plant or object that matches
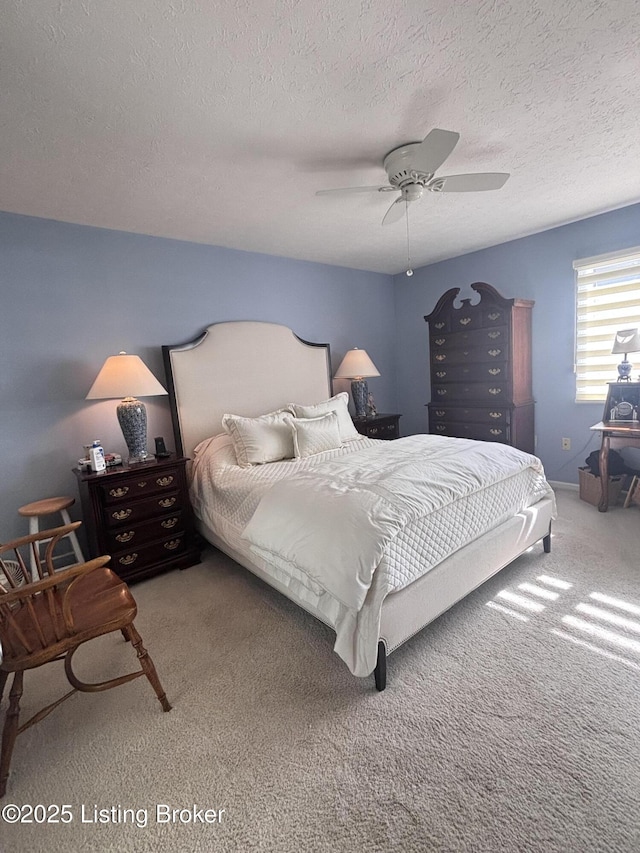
(400, 168)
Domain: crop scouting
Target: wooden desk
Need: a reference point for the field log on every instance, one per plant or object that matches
(614, 434)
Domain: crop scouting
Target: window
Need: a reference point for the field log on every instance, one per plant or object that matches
(607, 299)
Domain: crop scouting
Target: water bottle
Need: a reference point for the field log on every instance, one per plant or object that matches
(96, 457)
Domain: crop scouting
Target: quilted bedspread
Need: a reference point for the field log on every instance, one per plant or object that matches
(344, 529)
(334, 522)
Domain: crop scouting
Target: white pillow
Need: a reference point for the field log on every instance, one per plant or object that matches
(338, 404)
(258, 440)
(315, 435)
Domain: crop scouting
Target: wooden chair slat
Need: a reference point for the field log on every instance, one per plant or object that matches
(47, 618)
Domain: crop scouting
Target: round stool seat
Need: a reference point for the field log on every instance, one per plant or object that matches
(46, 506)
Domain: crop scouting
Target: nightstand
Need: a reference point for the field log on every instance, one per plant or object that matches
(379, 426)
(140, 514)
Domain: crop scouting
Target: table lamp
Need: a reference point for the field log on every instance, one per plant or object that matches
(127, 377)
(626, 340)
(356, 365)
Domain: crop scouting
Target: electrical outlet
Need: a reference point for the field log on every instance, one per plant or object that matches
(566, 444)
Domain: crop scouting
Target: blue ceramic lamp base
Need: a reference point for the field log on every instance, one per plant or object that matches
(360, 394)
(132, 417)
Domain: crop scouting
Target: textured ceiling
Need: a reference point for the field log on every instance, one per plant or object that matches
(216, 122)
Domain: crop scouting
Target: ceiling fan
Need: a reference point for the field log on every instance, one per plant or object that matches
(411, 170)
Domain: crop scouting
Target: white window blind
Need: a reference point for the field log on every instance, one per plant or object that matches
(607, 299)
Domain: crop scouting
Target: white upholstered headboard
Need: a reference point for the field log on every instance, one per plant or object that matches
(244, 367)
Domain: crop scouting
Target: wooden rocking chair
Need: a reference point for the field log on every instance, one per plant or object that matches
(46, 618)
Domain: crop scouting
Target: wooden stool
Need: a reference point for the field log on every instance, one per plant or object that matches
(49, 506)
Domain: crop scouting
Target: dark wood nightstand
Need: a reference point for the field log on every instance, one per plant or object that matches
(379, 426)
(140, 514)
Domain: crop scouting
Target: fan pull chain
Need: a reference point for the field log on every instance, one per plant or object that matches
(409, 270)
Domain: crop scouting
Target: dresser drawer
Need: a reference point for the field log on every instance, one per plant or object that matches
(478, 432)
(487, 353)
(133, 535)
(476, 414)
(498, 335)
(468, 372)
(128, 512)
(132, 488)
(482, 391)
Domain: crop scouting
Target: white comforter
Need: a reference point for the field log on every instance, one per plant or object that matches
(342, 530)
(334, 523)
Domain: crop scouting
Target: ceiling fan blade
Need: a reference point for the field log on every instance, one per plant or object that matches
(434, 150)
(471, 183)
(349, 190)
(395, 212)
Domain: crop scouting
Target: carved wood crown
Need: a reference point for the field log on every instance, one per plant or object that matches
(489, 300)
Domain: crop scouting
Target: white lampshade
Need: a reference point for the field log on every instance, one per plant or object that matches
(124, 375)
(127, 377)
(626, 340)
(356, 365)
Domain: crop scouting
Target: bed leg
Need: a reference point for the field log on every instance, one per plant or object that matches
(380, 672)
(546, 542)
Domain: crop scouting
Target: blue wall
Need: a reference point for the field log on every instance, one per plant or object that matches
(537, 267)
(73, 295)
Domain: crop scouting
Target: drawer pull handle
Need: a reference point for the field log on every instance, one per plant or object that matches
(439, 325)
(441, 357)
(464, 321)
(440, 427)
(164, 481)
(442, 391)
(142, 484)
(441, 412)
(494, 352)
(441, 373)
(494, 371)
(495, 390)
(494, 316)
(125, 537)
(120, 492)
(128, 559)
(495, 431)
(495, 414)
(168, 523)
(440, 341)
(172, 544)
(165, 503)
(494, 335)
(121, 514)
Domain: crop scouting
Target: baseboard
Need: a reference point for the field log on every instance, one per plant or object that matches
(570, 487)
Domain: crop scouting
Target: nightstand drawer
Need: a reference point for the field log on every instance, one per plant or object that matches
(129, 562)
(137, 487)
(382, 431)
(379, 426)
(128, 512)
(131, 536)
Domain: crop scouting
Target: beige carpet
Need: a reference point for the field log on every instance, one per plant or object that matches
(494, 734)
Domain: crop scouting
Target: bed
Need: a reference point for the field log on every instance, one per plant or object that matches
(349, 528)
